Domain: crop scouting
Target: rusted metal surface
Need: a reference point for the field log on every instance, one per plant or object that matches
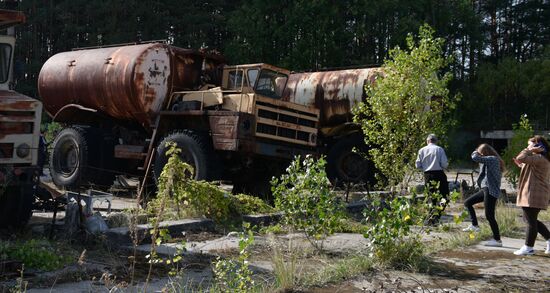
(124, 151)
(19, 125)
(126, 83)
(13, 101)
(10, 17)
(334, 93)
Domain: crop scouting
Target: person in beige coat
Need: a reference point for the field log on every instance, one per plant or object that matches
(534, 190)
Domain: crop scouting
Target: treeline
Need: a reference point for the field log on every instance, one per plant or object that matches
(501, 47)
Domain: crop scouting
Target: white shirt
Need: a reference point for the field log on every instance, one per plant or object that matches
(431, 158)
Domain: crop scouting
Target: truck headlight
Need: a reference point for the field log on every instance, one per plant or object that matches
(23, 150)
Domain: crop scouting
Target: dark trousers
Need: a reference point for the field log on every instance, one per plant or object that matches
(436, 182)
(490, 205)
(534, 226)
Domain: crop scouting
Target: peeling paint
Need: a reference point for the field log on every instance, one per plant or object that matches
(126, 83)
(333, 92)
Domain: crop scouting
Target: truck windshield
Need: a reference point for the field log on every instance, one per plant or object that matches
(236, 79)
(5, 57)
(252, 76)
(271, 84)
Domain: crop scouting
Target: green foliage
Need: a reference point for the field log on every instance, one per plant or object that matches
(503, 91)
(507, 216)
(522, 132)
(336, 271)
(37, 254)
(397, 227)
(286, 268)
(392, 221)
(273, 229)
(163, 236)
(303, 194)
(410, 101)
(235, 275)
(250, 205)
(190, 197)
(52, 129)
(184, 197)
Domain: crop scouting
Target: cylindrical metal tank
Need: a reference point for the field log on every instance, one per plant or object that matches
(334, 93)
(124, 82)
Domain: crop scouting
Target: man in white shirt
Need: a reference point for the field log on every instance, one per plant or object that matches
(432, 160)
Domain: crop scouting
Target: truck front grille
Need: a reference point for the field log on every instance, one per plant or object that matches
(6, 150)
(287, 122)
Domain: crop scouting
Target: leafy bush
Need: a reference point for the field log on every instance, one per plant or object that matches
(397, 227)
(304, 196)
(250, 205)
(235, 275)
(52, 129)
(38, 254)
(400, 110)
(522, 132)
(392, 221)
(186, 197)
(189, 197)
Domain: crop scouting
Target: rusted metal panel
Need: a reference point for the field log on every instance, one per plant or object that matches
(19, 126)
(13, 101)
(127, 83)
(10, 17)
(230, 129)
(225, 144)
(334, 93)
(125, 151)
(225, 132)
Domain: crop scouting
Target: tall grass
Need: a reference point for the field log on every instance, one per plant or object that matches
(339, 270)
(508, 219)
(544, 215)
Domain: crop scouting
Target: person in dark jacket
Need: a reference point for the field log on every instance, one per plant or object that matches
(491, 167)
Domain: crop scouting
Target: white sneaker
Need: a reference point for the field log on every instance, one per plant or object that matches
(547, 251)
(493, 243)
(471, 228)
(525, 250)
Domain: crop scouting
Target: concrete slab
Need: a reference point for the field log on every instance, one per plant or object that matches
(511, 245)
(263, 220)
(211, 247)
(121, 236)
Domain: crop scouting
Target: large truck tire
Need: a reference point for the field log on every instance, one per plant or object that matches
(69, 157)
(346, 166)
(16, 204)
(196, 150)
(81, 156)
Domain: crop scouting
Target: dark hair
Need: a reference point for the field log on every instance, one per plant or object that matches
(540, 139)
(487, 150)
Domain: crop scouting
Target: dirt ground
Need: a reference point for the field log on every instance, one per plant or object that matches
(473, 268)
(469, 269)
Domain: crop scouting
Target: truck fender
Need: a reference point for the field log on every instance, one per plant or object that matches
(75, 113)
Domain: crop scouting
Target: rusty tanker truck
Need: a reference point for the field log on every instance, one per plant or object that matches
(120, 106)
(19, 134)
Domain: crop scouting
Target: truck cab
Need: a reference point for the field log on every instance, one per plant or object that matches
(246, 124)
(263, 79)
(19, 134)
(254, 91)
